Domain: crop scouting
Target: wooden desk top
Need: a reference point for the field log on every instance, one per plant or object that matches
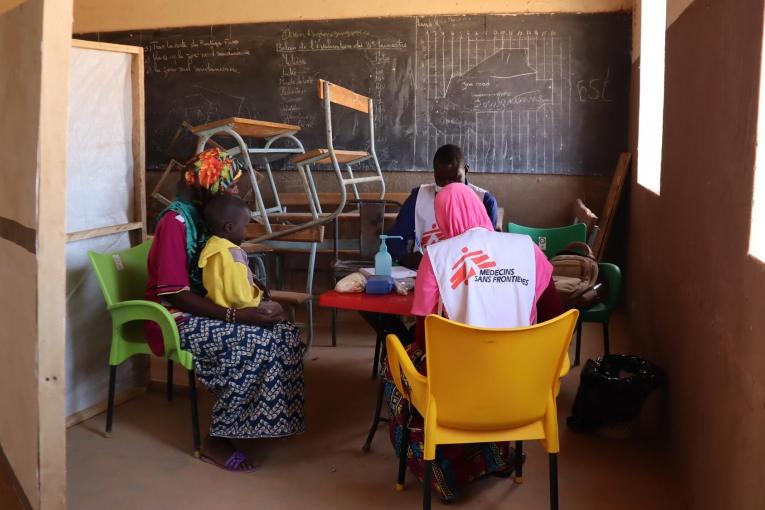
(393, 304)
(249, 127)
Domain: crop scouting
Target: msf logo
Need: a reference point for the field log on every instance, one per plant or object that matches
(431, 236)
(465, 267)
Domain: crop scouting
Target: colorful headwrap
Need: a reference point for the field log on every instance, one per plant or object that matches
(213, 170)
(209, 172)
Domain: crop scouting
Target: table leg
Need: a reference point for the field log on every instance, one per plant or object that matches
(377, 419)
(378, 346)
(379, 359)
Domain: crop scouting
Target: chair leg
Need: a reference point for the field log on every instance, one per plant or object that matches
(334, 327)
(518, 468)
(110, 402)
(606, 347)
(169, 380)
(578, 343)
(309, 326)
(553, 481)
(427, 477)
(194, 412)
(403, 449)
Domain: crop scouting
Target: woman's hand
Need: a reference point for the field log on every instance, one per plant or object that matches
(267, 313)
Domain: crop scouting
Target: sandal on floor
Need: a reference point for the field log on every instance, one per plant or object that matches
(232, 464)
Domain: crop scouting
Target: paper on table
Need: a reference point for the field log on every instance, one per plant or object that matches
(396, 272)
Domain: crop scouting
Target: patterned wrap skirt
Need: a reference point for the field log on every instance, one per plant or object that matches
(455, 465)
(255, 374)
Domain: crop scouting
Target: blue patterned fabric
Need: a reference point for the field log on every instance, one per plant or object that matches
(255, 374)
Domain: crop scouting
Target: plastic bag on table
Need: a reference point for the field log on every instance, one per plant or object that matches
(354, 282)
(404, 286)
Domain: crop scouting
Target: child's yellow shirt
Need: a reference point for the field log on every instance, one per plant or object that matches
(226, 275)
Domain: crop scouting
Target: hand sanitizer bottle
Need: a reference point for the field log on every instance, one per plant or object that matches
(383, 260)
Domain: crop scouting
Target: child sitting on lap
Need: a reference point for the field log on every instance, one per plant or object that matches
(226, 274)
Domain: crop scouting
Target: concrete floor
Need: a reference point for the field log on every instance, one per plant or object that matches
(147, 463)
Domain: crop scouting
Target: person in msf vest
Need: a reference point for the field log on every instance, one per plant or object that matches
(416, 221)
(480, 277)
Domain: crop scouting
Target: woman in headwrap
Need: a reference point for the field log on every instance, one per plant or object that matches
(253, 366)
(479, 277)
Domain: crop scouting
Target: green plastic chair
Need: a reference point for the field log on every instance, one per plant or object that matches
(611, 276)
(122, 277)
(552, 240)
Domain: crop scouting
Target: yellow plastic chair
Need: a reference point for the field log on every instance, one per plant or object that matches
(485, 385)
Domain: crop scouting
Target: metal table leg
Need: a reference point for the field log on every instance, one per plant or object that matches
(377, 419)
(380, 395)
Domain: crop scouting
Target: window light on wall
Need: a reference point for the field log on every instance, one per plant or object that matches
(653, 19)
(757, 225)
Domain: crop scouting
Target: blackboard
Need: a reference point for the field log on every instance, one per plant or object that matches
(543, 94)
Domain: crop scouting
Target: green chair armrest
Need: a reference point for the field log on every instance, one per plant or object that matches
(142, 310)
(612, 275)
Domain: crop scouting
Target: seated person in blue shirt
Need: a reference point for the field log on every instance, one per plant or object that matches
(416, 221)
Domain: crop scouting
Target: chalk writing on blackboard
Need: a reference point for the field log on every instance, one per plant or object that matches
(499, 95)
(208, 55)
(524, 94)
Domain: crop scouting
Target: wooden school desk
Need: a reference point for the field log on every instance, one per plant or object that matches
(391, 304)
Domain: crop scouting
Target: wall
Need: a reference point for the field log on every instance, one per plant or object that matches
(33, 130)
(100, 16)
(694, 295)
(20, 30)
(7, 5)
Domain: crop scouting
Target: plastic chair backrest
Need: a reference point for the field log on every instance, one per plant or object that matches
(552, 240)
(612, 276)
(122, 275)
(484, 379)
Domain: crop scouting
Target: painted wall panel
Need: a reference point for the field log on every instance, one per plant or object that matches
(99, 16)
(18, 343)
(20, 34)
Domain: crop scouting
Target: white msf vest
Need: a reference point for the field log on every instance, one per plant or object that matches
(426, 231)
(486, 279)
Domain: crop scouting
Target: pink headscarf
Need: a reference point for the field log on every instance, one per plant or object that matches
(458, 209)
